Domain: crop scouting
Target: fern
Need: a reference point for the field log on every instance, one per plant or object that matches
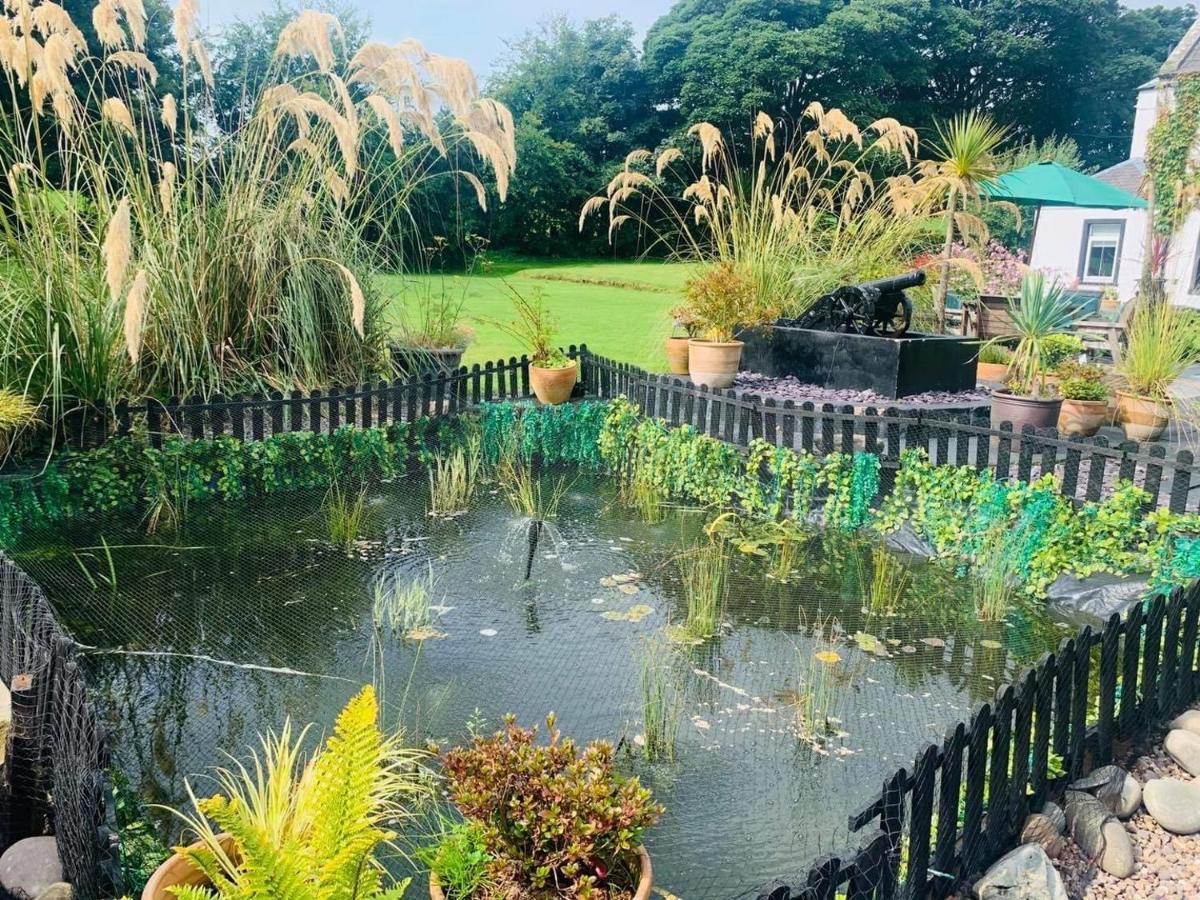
(307, 829)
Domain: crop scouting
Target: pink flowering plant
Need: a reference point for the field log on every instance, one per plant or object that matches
(1001, 268)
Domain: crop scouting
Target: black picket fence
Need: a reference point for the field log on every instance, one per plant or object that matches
(962, 804)
(1086, 468)
(56, 770)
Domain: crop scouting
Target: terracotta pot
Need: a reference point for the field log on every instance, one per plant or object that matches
(553, 386)
(1083, 417)
(178, 871)
(645, 880)
(1022, 411)
(714, 363)
(1143, 418)
(996, 372)
(677, 355)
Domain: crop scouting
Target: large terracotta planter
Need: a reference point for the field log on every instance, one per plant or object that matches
(178, 871)
(1143, 418)
(1082, 417)
(1022, 411)
(994, 372)
(714, 363)
(645, 880)
(677, 355)
(553, 386)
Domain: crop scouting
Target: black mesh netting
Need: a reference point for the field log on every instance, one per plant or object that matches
(195, 640)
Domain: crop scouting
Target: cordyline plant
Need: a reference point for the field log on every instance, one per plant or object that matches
(149, 252)
(557, 823)
(807, 213)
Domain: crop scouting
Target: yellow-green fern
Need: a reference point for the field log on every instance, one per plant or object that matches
(307, 828)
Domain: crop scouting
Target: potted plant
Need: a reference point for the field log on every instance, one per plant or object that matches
(720, 300)
(550, 820)
(1040, 311)
(314, 824)
(677, 344)
(993, 363)
(1059, 350)
(432, 335)
(1161, 343)
(1084, 399)
(552, 375)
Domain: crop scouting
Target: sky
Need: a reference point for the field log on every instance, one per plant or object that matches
(475, 30)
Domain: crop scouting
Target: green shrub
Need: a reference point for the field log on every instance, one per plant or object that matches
(1058, 349)
(555, 822)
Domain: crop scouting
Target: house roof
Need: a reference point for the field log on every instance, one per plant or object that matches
(1128, 176)
(1185, 58)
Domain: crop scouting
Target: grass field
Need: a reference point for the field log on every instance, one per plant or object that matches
(619, 309)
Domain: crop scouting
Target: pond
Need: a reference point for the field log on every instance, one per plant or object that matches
(196, 640)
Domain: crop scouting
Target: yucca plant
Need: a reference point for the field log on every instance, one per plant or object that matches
(804, 201)
(307, 827)
(1041, 310)
(965, 163)
(153, 255)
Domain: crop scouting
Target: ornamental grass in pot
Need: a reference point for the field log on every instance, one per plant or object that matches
(1084, 399)
(552, 374)
(541, 820)
(1041, 310)
(720, 300)
(1161, 343)
(993, 363)
(432, 334)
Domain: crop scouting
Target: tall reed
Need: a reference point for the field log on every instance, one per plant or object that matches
(453, 479)
(997, 577)
(403, 605)
(527, 494)
(889, 580)
(344, 511)
(661, 698)
(152, 253)
(704, 572)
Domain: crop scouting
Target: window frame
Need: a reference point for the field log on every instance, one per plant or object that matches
(1088, 224)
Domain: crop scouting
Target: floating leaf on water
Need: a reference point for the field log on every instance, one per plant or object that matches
(640, 740)
(629, 589)
(933, 642)
(608, 581)
(700, 723)
(624, 578)
(828, 656)
(908, 648)
(867, 642)
(893, 642)
(423, 634)
(633, 614)
(488, 632)
(991, 645)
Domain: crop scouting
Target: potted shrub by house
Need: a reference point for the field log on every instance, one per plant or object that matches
(541, 820)
(552, 375)
(1084, 399)
(677, 344)
(1162, 341)
(993, 363)
(1059, 350)
(315, 823)
(720, 300)
(1040, 311)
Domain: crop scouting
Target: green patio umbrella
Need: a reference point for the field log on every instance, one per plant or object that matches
(1052, 184)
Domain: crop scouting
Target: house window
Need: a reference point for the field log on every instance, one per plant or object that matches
(1101, 252)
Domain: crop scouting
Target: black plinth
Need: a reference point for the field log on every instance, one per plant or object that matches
(891, 367)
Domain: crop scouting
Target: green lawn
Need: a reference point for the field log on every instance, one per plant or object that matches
(619, 309)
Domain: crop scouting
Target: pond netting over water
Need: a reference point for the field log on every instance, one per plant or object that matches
(196, 640)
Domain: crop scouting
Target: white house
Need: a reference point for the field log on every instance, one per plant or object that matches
(1101, 248)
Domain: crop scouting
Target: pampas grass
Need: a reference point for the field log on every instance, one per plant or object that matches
(212, 262)
(804, 214)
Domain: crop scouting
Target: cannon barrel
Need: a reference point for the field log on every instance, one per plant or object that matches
(895, 283)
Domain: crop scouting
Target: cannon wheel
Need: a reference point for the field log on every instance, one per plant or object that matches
(900, 319)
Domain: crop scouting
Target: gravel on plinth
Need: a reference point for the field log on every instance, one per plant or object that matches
(1168, 865)
(791, 388)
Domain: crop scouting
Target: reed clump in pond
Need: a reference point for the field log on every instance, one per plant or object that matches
(345, 511)
(454, 478)
(704, 573)
(661, 699)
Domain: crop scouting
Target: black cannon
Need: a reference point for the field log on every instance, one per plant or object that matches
(875, 308)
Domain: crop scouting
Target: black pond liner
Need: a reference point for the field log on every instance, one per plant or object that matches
(195, 642)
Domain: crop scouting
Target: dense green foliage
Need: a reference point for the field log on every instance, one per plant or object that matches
(1169, 158)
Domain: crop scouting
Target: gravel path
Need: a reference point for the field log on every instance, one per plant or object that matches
(1168, 864)
(789, 388)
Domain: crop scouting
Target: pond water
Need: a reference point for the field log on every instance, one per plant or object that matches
(198, 639)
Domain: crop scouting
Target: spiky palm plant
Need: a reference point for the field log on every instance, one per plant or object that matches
(1041, 310)
(310, 827)
(965, 162)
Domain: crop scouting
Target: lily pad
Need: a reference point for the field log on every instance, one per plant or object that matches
(991, 645)
(633, 614)
(628, 589)
(423, 634)
(868, 643)
(608, 581)
(933, 642)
